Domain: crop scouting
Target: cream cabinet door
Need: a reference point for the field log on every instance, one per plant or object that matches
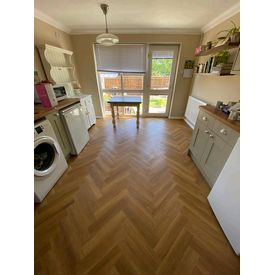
(90, 109)
(198, 142)
(60, 133)
(214, 157)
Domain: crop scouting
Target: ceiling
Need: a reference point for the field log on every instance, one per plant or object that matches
(130, 16)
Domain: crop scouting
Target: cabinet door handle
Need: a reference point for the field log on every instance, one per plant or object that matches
(204, 118)
(223, 131)
(206, 131)
(211, 136)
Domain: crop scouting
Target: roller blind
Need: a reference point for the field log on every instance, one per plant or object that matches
(162, 54)
(121, 58)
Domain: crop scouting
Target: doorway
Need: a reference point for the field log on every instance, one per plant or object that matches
(162, 61)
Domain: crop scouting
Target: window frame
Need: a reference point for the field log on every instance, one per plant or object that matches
(121, 81)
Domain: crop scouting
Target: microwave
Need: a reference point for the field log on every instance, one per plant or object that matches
(63, 91)
(60, 92)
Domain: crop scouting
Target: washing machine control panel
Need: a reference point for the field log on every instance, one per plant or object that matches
(39, 129)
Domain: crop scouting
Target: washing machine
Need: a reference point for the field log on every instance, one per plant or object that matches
(49, 161)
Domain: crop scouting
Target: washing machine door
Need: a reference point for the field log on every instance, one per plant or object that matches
(46, 155)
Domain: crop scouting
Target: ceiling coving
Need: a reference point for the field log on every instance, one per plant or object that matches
(106, 39)
(140, 17)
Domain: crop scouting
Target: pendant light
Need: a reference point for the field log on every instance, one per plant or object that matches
(106, 39)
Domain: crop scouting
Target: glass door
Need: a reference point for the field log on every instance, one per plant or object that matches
(161, 77)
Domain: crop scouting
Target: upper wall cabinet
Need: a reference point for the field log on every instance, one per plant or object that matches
(58, 65)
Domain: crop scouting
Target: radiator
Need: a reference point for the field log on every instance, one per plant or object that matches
(192, 110)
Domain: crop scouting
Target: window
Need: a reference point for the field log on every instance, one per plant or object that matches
(144, 70)
(121, 81)
(162, 62)
(110, 81)
(132, 82)
(106, 97)
(157, 104)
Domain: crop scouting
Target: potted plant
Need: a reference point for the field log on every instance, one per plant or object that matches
(232, 35)
(221, 58)
(188, 68)
(220, 63)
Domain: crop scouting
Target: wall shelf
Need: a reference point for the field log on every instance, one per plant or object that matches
(217, 49)
(213, 75)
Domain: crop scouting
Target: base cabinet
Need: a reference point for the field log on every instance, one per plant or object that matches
(198, 142)
(214, 157)
(60, 133)
(211, 145)
(88, 109)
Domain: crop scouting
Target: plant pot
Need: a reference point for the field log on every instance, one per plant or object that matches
(235, 38)
(187, 73)
(208, 45)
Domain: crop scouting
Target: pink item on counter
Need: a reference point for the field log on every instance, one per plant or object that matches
(45, 96)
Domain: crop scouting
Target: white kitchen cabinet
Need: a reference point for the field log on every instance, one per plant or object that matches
(88, 108)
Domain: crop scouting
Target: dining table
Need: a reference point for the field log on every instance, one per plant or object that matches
(127, 101)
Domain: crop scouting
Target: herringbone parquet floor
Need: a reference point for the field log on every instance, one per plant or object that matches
(131, 203)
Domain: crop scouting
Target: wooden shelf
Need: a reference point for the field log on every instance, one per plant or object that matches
(211, 75)
(217, 49)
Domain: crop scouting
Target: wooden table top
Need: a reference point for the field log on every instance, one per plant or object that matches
(40, 111)
(221, 116)
(125, 99)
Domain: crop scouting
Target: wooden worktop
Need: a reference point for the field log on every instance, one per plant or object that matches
(40, 111)
(221, 116)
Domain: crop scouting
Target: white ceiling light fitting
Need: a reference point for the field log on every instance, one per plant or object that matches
(106, 39)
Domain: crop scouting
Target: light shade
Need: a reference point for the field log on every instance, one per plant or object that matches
(107, 39)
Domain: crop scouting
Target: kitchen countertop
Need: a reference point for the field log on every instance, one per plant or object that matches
(40, 111)
(234, 124)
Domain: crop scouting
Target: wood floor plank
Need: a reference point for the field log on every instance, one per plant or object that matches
(133, 202)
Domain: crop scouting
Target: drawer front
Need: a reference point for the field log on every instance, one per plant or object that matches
(226, 133)
(205, 120)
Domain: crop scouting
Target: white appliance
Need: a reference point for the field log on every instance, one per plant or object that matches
(192, 110)
(87, 104)
(67, 91)
(224, 198)
(49, 161)
(74, 122)
(63, 91)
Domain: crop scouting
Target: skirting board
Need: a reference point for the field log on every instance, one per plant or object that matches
(175, 117)
(189, 123)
